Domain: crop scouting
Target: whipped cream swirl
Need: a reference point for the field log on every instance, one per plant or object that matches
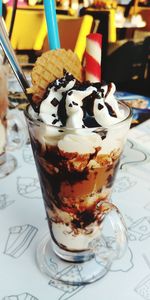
(73, 104)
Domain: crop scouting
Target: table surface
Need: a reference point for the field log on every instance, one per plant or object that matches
(23, 223)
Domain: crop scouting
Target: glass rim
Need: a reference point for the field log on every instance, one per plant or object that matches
(40, 122)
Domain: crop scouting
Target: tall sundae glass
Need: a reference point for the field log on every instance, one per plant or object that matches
(78, 131)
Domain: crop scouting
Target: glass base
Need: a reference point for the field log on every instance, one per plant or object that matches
(8, 166)
(73, 273)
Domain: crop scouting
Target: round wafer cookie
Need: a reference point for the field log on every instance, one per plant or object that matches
(50, 66)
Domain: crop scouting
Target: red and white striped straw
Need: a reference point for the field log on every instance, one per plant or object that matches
(93, 55)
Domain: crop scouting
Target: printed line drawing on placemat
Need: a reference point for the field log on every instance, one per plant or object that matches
(139, 230)
(68, 290)
(132, 155)
(28, 187)
(23, 296)
(123, 184)
(19, 239)
(125, 264)
(27, 155)
(143, 287)
(4, 201)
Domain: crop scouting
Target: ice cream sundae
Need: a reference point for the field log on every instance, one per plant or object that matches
(77, 130)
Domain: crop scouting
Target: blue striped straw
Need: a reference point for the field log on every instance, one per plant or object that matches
(52, 26)
(1, 11)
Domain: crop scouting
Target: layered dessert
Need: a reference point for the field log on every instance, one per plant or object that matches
(77, 130)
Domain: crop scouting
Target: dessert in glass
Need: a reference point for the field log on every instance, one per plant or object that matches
(78, 131)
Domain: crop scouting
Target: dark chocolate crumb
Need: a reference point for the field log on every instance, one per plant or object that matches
(55, 121)
(111, 111)
(55, 102)
(100, 106)
(75, 103)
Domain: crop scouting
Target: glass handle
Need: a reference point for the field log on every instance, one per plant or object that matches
(107, 246)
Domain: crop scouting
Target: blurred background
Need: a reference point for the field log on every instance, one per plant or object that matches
(124, 24)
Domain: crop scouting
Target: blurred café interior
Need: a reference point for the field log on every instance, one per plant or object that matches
(124, 25)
